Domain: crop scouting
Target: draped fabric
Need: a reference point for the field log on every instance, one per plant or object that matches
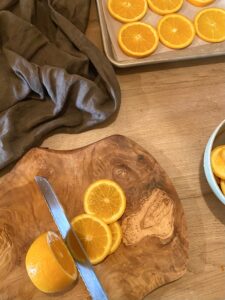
(51, 76)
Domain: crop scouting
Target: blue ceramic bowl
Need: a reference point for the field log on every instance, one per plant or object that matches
(217, 138)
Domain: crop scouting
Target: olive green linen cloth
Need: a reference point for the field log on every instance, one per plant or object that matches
(51, 76)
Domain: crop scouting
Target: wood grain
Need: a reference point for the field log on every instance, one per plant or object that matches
(171, 110)
(154, 248)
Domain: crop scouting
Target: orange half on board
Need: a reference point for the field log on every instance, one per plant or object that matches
(176, 31)
(138, 39)
(127, 10)
(49, 264)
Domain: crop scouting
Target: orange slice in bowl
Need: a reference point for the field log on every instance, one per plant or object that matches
(176, 31)
(138, 39)
(222, 185)
(49, 264)
(165, 7)
(218, 161)
(210, 24)
(127, 10)
(201, 3)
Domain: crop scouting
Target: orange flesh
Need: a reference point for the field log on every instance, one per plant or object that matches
(138, 38)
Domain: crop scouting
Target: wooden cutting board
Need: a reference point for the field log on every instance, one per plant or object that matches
(154, 248)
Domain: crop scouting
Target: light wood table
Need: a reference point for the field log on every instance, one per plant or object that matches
(171, 110)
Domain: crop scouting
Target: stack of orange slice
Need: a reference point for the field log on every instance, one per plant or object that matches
(98, 231)
(100, 234)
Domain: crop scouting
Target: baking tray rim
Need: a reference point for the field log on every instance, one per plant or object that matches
(126, 64)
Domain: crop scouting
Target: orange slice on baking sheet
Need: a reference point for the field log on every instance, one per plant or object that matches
(201, 3)
(210, 25)
(127, 10)
(176, 31)
(138, 39)
(164, 7)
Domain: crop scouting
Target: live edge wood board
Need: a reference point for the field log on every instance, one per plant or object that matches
(154, 249)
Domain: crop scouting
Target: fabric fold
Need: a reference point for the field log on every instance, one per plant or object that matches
(51, 76)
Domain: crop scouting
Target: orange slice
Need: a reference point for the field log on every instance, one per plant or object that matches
(201, 3)
(116, 236)
(49, 264)
(94, 235)
(210, 25)
(176, 31)
(127, 10)
(218, 161)
(138, 39)
(106, 200)
(222, 185)
(164, 7)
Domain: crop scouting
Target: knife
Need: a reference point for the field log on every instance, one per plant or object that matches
(85, 268)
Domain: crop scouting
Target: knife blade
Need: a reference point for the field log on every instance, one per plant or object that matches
(85, 268)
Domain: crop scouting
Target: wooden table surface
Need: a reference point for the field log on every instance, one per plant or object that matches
(171, 110)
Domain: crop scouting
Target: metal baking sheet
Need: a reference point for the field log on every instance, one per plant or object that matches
(209, 50)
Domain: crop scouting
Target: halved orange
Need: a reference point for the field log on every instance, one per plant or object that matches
(176, 31)
(127, 10)
(94, 235)
(49, 264)
(222, 185)
(116, 236)
(138, 39)
(201, 3)
(210, 24)
(218, 161)
(165, 7)
(106, 200)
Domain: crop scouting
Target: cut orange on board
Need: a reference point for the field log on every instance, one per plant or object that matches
(176, 31)
(218, 161)
(94, 235)
(138, 39)
(210, 25)
(222, 184)
(127, 10)
(49, 264)
(201, 3)
(116, 236)
(164, 7)
(106, 200)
